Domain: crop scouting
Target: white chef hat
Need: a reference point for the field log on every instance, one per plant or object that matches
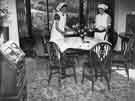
(103, 6)
(60, 5)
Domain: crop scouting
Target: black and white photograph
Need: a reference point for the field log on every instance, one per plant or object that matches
(67, 50)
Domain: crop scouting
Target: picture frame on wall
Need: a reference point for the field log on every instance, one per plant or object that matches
(4, 23)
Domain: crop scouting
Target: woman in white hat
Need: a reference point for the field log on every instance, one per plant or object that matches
(59, 28)
(102, 22)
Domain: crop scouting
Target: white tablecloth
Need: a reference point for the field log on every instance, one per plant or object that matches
(77, 43)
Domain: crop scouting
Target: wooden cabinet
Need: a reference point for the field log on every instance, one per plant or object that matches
(130, 29)
(12, 81)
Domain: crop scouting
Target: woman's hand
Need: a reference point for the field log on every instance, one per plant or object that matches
(101, 28)
(71, 32)
(75, 33)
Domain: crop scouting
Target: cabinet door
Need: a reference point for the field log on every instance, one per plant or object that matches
(7, 78)
(130, 23)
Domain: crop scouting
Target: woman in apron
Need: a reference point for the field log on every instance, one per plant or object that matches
(59, 29)
(102, 22)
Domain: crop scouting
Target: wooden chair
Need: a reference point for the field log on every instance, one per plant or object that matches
(57, 63)
(98, 64)
(54, 61)
(121, 60)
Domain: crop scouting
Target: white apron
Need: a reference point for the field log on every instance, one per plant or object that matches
(100, 35)
(55, 35)
(101, 21)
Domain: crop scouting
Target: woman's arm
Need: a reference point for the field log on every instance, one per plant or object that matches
(57, 18)
(58, 29)
(109, 20)
(68, 28)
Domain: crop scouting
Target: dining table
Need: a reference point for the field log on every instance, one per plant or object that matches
(77, 43)
(77, 46)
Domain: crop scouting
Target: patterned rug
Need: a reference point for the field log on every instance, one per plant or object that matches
(38, 89)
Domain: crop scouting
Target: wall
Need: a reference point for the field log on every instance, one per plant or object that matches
(122, 7)
(13, 26)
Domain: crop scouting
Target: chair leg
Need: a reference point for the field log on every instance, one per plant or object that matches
(50, 77)
(110, 73)
(107, 78)
(108, 84)
(82, 81)
(127, 71)
(76, 59)
(47, 69)
(63, 73)
(92, 85)
(93, 78)
(74, 70)
(59, 78)
(96, 74)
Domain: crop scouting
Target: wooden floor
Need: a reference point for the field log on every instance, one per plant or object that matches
(38, 90)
